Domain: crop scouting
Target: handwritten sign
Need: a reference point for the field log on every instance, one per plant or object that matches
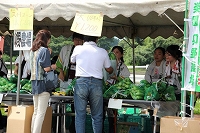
(23, 40)
(88, 24)
(21, 18)
(115, 103)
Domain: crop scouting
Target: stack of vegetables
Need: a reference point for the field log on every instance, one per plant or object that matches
(137, 92)
(160, 91)
(119, 90)
(6, 85)
(25, 85)
(125, 89)
(10, 85)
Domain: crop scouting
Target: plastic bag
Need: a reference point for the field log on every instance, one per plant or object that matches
(151, 93)
(113, 62)
(197, 107)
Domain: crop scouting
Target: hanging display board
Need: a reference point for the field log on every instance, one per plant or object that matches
(21, 19)
(23, 40)
(88, 24)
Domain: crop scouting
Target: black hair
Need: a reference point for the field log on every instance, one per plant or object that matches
(1, 52)
(175, 51)
(160, 48)
(90, 38)
(54, 59)
(77, 35)
(120, 50)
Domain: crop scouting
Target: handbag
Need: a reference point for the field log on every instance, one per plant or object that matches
(51, 80)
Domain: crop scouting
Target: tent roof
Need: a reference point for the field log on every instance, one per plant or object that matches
(140, 18)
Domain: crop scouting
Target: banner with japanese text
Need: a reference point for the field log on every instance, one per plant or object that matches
(192, 55)
(23, 40)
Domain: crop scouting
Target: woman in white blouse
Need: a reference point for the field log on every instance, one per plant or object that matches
(156, 69)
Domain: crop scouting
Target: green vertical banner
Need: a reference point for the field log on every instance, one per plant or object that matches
(192, 55)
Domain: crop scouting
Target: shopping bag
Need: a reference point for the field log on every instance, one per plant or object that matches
(197, 107)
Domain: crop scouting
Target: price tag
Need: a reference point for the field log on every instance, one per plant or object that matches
(88, 24)
(21, 19)
(1, 97)
(115, 103)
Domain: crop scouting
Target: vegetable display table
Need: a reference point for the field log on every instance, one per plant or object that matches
(168, 108)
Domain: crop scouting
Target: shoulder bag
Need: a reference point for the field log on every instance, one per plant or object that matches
(51, 80)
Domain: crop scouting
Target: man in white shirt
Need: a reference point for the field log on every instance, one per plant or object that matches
(90, 60)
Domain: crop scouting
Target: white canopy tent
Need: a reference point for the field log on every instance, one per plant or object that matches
(131, 18)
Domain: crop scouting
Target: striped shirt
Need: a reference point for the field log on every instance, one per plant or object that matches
(39, 59)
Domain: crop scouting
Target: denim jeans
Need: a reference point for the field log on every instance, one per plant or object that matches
(88, 89)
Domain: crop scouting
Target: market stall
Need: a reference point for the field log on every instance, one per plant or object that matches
(126, 18)
(169, 108)
(163, 17)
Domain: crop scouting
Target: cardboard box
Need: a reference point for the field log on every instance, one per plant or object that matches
(19, 119)
(46, 126)
(169, 124)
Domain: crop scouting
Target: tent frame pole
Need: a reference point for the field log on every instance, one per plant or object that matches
(133, 48)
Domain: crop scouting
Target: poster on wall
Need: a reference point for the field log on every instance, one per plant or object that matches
(1, 43)
(22, 40)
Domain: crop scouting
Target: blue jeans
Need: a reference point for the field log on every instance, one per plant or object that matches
(88, 89)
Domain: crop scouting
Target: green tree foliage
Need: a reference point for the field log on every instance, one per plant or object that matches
(144, 49)
(107, 43)
(57, 43)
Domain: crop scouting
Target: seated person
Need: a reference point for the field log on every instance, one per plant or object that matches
(122, 71)
(156, 69)
(173, 68)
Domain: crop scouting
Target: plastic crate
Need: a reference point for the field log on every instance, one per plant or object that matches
(128, 127)
(129, 118)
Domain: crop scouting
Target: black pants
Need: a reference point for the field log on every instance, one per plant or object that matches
(1, 120)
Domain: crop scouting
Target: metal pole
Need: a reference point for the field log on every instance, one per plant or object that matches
(11, 46)
(19, 77)
(133, 47)
(183, 92)
(58, 113)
